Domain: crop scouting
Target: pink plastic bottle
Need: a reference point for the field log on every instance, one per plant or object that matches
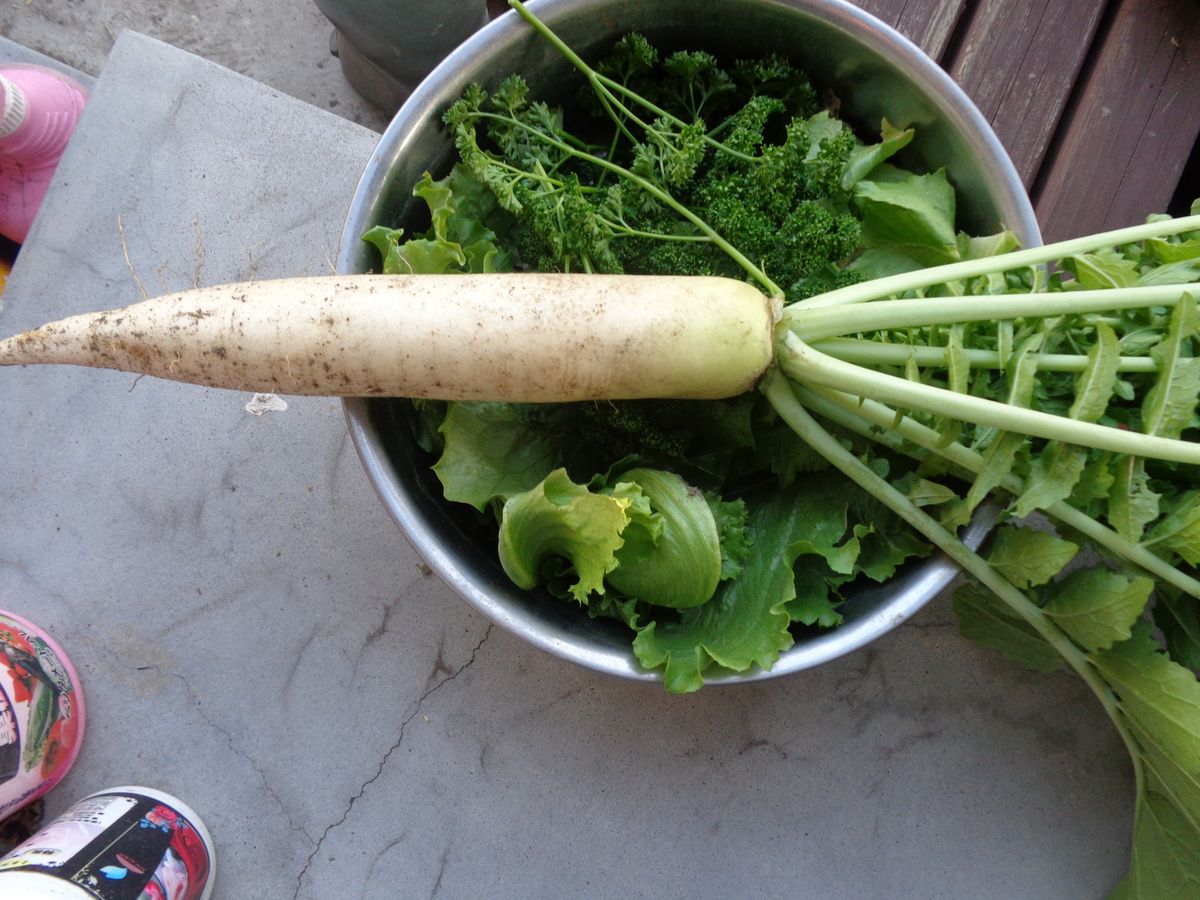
(39, 110)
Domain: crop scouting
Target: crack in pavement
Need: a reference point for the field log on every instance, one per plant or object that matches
(199, 707)
(220, 729)
(387, 756)
(437, 885)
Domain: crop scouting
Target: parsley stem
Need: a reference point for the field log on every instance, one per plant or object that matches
(613, 85)
(660, 194)
(611, 154)
(620, 229)
(602, 84)
(524, 174)
(606, 101)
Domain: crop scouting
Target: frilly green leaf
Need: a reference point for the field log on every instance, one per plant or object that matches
(679, 564)
(492, 451)
(560, 519)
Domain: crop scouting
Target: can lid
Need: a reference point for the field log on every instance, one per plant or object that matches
(40, 886)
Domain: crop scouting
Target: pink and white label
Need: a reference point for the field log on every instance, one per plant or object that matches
(120, 845)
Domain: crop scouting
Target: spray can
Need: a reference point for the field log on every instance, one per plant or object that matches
(124, 843)
(41, 713)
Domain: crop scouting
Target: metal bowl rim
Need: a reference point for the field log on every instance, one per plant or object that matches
(935, 574)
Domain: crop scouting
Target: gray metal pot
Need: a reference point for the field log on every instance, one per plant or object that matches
(386, 47)
(873, 70)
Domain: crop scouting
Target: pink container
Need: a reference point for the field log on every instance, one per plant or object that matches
(39, 109)
(124, 843)
(41, 713)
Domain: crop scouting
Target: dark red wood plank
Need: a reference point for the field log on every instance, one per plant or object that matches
(927, 23)
(1126, 139)
(1018, 60)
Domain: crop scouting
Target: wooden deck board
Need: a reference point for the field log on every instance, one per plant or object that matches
(1134, 121)
(930, 24)
(1019, 60)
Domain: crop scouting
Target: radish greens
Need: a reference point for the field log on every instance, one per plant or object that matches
(934, 369)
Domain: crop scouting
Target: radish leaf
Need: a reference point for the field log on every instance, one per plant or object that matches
(987, 621)
(1097, 608)
(1028, 557)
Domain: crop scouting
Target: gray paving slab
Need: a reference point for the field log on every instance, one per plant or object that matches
(282, 43)
(256, 637)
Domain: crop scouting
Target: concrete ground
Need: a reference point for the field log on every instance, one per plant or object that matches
(281, 43)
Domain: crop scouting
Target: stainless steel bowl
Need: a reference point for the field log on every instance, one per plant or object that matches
(873, 70)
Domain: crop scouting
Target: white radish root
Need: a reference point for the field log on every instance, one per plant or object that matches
(514, 338)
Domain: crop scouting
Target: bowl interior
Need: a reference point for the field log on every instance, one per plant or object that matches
(874, 73)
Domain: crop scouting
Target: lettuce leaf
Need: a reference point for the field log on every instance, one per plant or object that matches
(561, 519)
(906, 223)
(865, 158)
(493, 451)
(798, 540)
(747, 622)
(458, 240)
(677, 562)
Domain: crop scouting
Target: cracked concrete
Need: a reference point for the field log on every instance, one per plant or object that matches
(440, 667)
(198, 705)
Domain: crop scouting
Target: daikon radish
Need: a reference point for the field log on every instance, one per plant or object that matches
(518, 338)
